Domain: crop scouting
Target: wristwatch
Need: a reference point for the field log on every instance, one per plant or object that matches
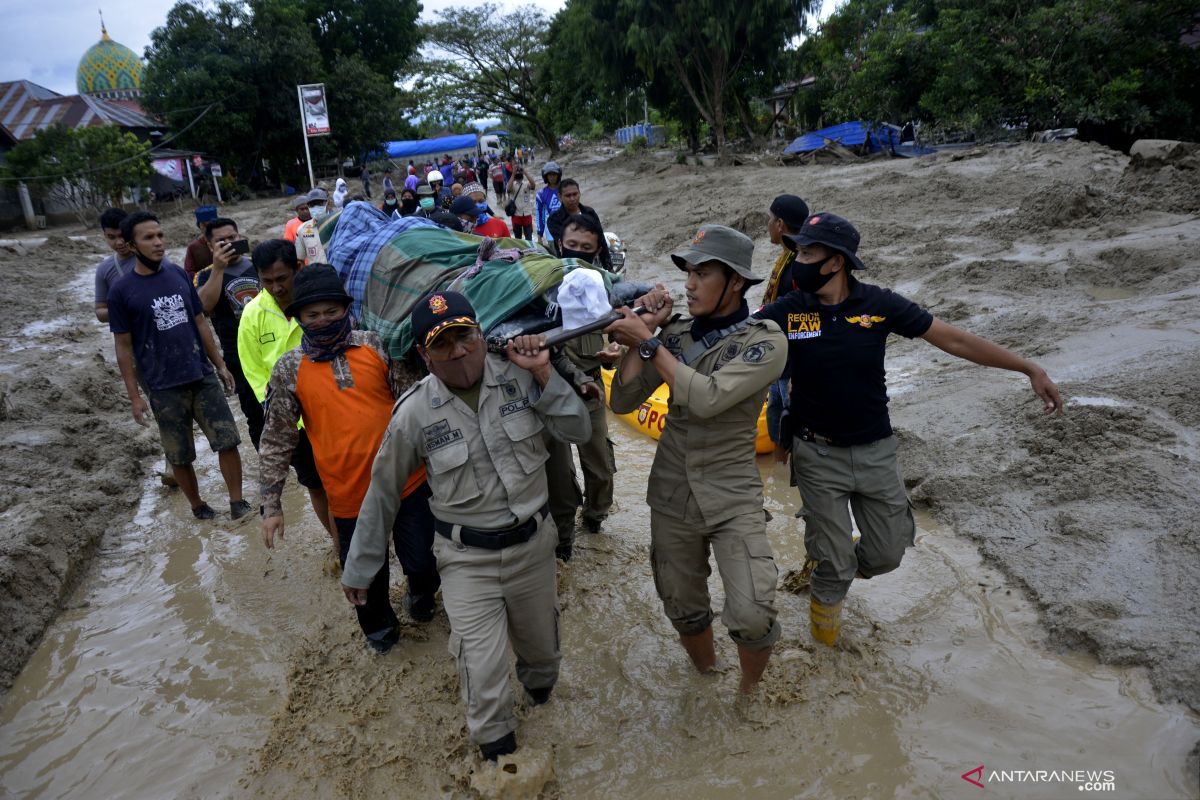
(648, 348)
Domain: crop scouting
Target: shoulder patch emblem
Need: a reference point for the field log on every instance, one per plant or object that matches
(731, 351)
(757, 352)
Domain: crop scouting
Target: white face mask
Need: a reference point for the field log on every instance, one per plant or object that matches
(316, 211)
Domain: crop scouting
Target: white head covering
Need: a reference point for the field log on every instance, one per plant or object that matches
(340, 191)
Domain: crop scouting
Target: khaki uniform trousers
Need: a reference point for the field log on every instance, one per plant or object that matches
(599, 465)
(494, 598)
(679, 556)
(834, 480)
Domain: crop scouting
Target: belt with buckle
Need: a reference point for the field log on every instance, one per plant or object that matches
(809, 435)
(492, 539)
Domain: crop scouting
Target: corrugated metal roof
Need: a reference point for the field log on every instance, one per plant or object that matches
(26, 108)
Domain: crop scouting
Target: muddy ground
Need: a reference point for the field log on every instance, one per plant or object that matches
(1061, 251)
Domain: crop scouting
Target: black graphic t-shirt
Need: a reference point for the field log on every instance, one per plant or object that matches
(239, 287)
(835, 357)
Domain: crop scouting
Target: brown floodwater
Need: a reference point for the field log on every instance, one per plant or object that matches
(161, 676)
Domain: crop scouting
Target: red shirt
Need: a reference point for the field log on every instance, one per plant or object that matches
(495, 228)
(198, 257)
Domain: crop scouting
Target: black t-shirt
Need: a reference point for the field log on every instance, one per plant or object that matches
(835, 353)
(239, 286)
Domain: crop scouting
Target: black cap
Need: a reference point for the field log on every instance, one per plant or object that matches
(446, 219)
(314, 284)
(832, 231)
(438, 311)
(791, 210)
(463, 204)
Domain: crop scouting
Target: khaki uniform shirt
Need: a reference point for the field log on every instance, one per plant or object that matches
(707, 447)
(485, 468)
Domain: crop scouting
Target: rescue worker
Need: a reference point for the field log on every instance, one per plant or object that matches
(581, 239)
(309, 249)
(344, 385)
(705, 490)
(476, 424)
(843, 450)
(786, 215)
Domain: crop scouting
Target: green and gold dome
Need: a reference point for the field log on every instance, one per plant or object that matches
(109, 69)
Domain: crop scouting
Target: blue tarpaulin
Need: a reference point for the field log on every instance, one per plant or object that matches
(425, 147)
(848, 134)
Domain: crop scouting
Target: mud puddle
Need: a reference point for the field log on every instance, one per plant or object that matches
(168, 672)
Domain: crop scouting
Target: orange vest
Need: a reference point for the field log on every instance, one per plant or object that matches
(346, 425)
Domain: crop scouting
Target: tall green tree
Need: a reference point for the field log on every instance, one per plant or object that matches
(383, 33)
(482, 62)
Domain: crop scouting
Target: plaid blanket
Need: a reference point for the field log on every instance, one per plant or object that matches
(388, 265)
(354, 238)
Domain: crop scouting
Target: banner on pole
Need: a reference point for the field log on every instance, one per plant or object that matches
(316, 112)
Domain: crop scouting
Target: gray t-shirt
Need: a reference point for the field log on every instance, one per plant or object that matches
(108, 272)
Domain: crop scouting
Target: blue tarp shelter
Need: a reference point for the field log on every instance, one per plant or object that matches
(847, 134)
(427, 147)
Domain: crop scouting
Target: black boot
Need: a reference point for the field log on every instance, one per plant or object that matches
(539, 696)
(501, 747)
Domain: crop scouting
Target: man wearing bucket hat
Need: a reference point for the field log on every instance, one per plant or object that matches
(705, 490)
(475, 423)
(341, 381)
(843, 449)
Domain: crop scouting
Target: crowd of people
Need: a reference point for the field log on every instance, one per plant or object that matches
(461, 460)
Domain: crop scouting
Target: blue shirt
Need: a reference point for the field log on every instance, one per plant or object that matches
(159, 312)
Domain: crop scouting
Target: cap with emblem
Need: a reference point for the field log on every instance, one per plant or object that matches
(831, 231)
(719, 243)
(437, 312)
(314, 284)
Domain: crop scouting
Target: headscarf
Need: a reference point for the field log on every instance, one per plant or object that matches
(339, 193)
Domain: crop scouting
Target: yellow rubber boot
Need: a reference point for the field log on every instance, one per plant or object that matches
(826, 622)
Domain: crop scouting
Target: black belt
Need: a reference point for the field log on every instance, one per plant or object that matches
(494, 539)
(809, 435)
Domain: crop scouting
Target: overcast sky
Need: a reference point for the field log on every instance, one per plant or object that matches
(43, 42)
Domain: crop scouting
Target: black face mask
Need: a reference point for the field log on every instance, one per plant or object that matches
(153, 266)
(579, 254)
(408, 205)
(808, 277)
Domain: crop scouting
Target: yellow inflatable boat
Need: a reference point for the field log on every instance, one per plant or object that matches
(651, 416)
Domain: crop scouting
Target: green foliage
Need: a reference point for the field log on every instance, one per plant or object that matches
(638, 144)
(1115, 69)
(85, 169)
(487, 63)
(681, 158)
(245, 59)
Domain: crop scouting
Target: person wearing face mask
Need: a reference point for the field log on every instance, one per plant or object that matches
(441, 195)
(426, 201)
(342, 383)
(158, 323)
(569, 195)
(308, 238)
(476, 423)
(843, 449)
(408, 203)
(581, 240)
(705, 491)
(475, 214)
(390, 204)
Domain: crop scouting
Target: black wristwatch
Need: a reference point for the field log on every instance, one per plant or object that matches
(648, 348)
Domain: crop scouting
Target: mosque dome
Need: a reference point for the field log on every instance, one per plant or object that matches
(109, 69)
